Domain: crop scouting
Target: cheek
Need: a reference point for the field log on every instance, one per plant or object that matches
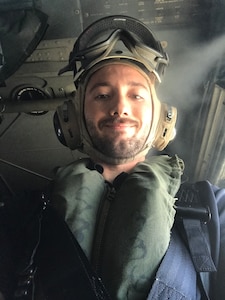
(92, 112)
(89, 111)
(146, 115)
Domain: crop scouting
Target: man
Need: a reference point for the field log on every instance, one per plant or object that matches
(119, 205)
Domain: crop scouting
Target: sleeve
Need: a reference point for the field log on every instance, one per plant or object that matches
(220, 286)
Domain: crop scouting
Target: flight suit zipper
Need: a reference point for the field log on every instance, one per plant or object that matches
(100, 225)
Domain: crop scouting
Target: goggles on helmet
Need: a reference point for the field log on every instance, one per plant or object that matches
(116, 37)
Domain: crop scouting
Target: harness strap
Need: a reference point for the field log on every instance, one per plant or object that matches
(185, 273)
(197, 208)
(199, 246)
(200, 231)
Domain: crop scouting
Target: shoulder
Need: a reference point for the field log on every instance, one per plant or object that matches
(165, 160)
(75, 168)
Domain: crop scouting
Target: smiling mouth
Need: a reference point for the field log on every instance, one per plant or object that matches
(119, 124)
(122, 127)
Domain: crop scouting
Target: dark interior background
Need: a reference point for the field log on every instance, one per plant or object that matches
(193, 34)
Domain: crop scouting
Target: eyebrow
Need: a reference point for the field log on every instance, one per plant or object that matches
(99, 84)
(134, 83)
(130, 83)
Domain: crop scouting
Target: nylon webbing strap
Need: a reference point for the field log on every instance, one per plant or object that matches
(198, 246)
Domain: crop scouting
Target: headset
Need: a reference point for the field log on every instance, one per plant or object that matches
(67, 129)
(66, 125)
(119, 38)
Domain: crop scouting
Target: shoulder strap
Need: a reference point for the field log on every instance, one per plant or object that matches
(197, 216)
(191, 259)
(64, 269)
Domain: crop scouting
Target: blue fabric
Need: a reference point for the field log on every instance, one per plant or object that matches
(176, 278)
(219, 278)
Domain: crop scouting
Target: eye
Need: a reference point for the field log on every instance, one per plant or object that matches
(138, 94)
(102, 96)
(137, 97)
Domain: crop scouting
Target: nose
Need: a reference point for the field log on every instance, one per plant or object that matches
(120, 106)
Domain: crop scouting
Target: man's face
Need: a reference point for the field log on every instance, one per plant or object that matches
(118, 110)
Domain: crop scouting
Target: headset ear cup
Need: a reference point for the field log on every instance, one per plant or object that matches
(66, 125)
(58, 129)
(165, 131)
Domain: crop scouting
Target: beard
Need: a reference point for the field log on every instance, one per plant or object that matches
(115, 146)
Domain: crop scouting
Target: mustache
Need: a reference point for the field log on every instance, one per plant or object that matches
(117, 120)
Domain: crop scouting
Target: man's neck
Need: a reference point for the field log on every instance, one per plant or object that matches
(112, 171)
